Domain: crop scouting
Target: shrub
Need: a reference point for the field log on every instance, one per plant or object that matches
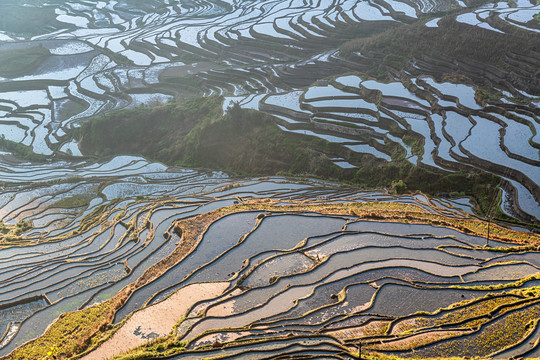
(399, 187)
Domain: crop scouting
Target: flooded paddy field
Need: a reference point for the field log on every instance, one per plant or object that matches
(287, 59)
(193, 264)
(284, 58)
(280, 268)
(368, 116)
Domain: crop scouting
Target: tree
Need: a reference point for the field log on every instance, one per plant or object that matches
(399, 187)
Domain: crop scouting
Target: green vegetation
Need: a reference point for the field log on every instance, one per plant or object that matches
(70, 334)
(415, 142)
(10, 234)
(130, 131)
(367, 29)
(195, 133)
(474, 183)
(21, 151)
(247, 141)
(69, 109)
(21, 227)
(17, 62)
(72, 202)
(399, 187)
(450, 40)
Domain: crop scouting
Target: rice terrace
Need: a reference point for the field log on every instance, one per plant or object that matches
(264, 179)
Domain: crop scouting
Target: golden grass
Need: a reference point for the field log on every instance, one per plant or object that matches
(70, 333)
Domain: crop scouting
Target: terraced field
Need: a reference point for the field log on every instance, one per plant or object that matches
(305, 270)
(270, 55)
(368, 116)
(99, 256)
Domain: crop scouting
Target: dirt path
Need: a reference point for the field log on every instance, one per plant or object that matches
(156, 320)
